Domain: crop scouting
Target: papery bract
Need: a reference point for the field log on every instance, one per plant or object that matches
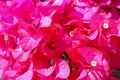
(27, 75)
(59, 39)
(64, 70)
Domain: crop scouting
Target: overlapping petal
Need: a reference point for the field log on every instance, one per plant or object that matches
(59, 39)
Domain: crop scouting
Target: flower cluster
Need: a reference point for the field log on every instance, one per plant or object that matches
(59, 39)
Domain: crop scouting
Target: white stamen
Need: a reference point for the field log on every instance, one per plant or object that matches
(94, 63)
(105, 25)
(6, 37)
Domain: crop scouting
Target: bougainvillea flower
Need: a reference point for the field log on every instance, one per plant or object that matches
(92, 61)
(107, 28)
(59, 39)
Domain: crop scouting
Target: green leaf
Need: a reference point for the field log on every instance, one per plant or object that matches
(117, 73)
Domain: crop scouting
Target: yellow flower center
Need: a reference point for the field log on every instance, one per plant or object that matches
(106, 25)
(71, 33)
(94, 63)
(76, 2)
(6, 37)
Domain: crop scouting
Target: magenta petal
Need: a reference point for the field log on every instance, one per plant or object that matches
(6, 13)
(45, 21)
(96, 22)
(17, 52)
(82, 74)
(46, 72)
(24, 56)
(3, 63)
(116, 3)
(1, 73)
(11, 73)
(22, 14)
(28, 43)
(27, 75)
(11, 30)
(106, 66)
(58, 2)
(18, 2)
(93, 36)
(28, 5)
(64, 70)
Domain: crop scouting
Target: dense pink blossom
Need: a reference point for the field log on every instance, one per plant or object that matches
(59, 39)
